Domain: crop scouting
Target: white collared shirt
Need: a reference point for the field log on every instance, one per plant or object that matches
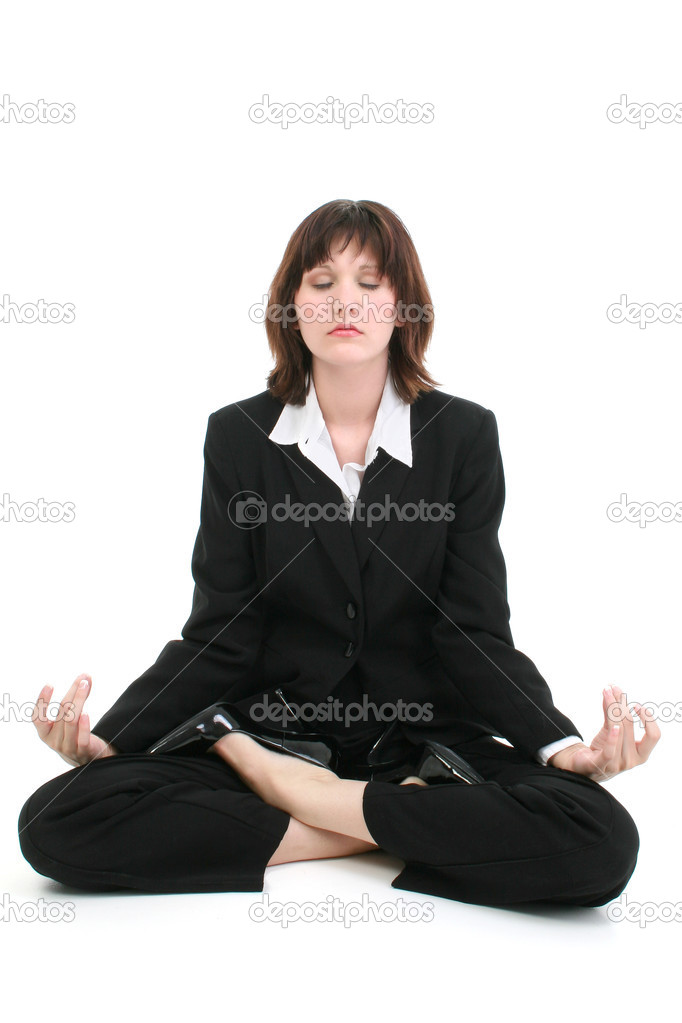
(304, 425)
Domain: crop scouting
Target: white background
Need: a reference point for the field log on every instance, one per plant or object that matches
(162, 213)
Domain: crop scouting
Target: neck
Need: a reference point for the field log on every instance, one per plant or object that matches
(349, 395)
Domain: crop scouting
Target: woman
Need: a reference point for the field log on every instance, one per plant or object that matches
(347, 563)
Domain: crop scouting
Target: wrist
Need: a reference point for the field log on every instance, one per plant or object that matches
(109, 749)
(565, 753)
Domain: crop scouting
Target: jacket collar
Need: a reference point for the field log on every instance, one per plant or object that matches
(304, 425)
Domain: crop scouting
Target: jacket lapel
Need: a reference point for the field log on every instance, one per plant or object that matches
(350, 545)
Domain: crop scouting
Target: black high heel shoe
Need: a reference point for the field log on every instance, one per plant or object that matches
(432, 762)
(440, 763)
(211, 724)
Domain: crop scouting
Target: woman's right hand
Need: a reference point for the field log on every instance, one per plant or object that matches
(69, 735)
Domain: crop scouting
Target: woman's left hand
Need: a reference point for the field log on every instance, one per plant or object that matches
(613, 748)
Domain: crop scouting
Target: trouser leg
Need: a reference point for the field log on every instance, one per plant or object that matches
(528, 833)
(152, 823)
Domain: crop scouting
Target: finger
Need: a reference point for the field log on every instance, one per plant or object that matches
(627, 728)
(72, 713)
(607, 759)
(606, 696)
(83, 738)
(64, 714)
(613, 712)
(82, 693)
(652, 732)
(39, 714)
(615, 717)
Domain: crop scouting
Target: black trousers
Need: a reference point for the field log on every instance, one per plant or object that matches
(189, 824)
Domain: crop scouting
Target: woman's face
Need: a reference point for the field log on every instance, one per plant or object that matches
(346, 291)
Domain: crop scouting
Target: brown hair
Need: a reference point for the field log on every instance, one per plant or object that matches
(378, 229)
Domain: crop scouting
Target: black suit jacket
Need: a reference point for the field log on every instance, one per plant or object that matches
(418, 609)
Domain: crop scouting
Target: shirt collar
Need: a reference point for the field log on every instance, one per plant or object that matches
(304, 424)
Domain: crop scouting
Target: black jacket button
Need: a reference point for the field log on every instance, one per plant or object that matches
(350, 609)
(349, 649)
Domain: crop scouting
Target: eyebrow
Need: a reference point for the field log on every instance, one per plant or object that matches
(326, 266)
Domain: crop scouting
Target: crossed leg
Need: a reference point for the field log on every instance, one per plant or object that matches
(192, 824)
(325, 810)
(529, 833)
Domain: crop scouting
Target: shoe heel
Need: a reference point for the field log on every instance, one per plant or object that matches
(438, 763)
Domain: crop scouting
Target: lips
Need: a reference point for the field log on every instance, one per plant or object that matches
(345, 331)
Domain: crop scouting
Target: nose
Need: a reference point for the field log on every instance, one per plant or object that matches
(347, 303)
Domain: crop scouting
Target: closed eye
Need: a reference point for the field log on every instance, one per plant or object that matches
(372, 287)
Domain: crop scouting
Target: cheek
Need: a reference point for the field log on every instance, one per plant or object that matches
(385, 304)
(309, 297)
(387, 299)
(317, 306)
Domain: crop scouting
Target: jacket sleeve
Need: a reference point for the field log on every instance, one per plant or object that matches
(471, 633)
(221, 637)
